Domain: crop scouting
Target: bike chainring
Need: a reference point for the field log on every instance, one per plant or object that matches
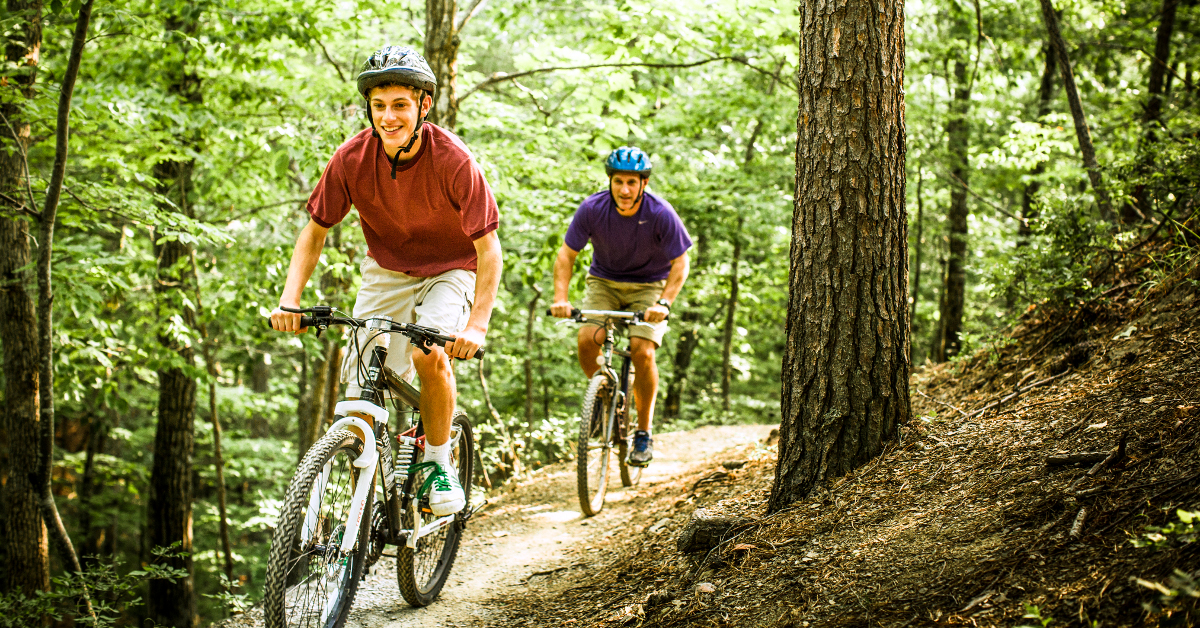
(379, 534)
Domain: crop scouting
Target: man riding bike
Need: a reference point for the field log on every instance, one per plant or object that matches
(639, 262)
(429, 219)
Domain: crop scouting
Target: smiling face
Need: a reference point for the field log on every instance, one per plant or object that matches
(627, 188)
(395, 111)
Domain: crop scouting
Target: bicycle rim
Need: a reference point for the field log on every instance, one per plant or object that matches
(422, 572)
(630, 475)
(594, 450)
(310, 582)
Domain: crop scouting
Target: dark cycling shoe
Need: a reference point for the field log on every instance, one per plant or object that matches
(643, 449)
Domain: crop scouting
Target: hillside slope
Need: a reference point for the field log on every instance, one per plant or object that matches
(968, 520)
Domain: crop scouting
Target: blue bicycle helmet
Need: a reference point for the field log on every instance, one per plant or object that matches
(628, 159)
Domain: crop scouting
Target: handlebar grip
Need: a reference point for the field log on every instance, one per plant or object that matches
(479, 353)
(574, 312)
(305, 321)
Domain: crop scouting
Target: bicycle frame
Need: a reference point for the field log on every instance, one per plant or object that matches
(377, 451)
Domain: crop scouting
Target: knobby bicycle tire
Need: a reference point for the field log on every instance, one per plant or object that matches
(298, 575)
(591, 440)
(421, 573)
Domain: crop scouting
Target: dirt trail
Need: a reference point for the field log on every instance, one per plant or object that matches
(535, 531)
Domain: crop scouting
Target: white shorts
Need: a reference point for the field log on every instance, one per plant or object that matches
(443, 301)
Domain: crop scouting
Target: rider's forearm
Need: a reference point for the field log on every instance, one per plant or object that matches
(304, 259)
(563, 262)
(487, 280)
(679, 274)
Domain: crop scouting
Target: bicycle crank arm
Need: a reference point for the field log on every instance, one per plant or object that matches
(426, 530)
(467, 517)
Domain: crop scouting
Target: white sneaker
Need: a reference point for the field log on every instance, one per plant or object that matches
(446, 497)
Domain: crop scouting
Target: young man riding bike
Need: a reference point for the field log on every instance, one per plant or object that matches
(639, 262)
(429, 219)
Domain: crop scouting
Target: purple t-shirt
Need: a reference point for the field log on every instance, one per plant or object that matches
(633, 249)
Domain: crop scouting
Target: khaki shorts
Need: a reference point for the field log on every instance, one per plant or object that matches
(605, 294)
(443, 302)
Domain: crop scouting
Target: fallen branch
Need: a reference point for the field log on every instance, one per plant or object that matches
(943, 403)
(1089, 457)
(1015, 394)
(715, 476)
(1077, 527)
(1117, 454)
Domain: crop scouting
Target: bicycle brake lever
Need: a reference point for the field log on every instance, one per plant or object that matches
(423, 345)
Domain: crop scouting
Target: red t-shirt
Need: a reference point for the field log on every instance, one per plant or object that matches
(422, 223)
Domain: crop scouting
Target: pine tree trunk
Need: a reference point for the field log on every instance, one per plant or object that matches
(23, 540)
(959, 131)
(1082, 132)
(845, 366)
(169, 603)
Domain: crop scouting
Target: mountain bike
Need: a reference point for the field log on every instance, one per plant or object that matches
(607, 419)
(333, 525)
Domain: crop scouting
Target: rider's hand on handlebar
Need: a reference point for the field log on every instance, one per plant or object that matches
(655, 313)
(561, 309)
(287, 321)
(465, 344)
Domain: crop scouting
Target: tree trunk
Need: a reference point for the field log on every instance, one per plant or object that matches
(1152, 114)
(845, 366)
(959, 131)
(169, 603)
(90, 552)
(54, 523)
(730, 313)
(443, 26)
(23, 540)
(689, 339)
(529, 350)
(1082, 132)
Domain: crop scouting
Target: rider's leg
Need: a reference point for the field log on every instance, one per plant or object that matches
(645, 385)
(438, 394)
(590, 341)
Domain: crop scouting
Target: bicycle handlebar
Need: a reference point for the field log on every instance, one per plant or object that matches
(581, 315)
(323, 317)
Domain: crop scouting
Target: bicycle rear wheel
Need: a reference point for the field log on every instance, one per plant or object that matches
(310, 582)
(594, 450)
(422, 572)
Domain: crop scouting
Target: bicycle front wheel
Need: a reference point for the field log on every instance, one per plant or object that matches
(422, 572)
(594, 449)
(310, 582)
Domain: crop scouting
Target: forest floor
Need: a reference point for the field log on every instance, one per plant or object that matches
(533, 532)
(968, 520)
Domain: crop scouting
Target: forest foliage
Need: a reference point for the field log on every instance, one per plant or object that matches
(546, 90)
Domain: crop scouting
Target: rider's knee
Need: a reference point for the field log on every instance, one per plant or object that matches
(643, 351)
(432, 364)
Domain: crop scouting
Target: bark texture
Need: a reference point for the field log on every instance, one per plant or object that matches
(170, 505)
(1082, 132)
(23, 540)
(845, 368)
(443, 26)
(958, 129)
